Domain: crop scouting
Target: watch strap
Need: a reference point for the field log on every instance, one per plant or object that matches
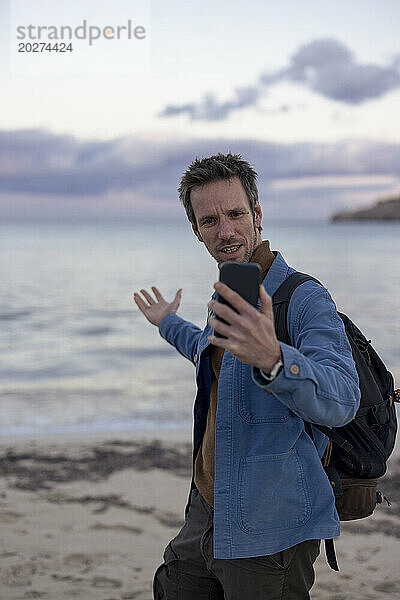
(274, 371)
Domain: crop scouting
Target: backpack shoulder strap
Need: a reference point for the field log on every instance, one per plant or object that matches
(280, 303)
(281, 299)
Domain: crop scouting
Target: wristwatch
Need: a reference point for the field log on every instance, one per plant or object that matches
(274, 371)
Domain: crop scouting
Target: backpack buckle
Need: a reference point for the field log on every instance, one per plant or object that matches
(334, 480)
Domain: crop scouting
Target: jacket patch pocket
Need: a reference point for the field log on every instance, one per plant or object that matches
(257, 405)
(272, 493)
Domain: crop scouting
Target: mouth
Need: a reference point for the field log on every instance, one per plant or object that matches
(231, 250)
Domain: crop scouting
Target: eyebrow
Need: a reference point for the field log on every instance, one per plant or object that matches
(237, 209)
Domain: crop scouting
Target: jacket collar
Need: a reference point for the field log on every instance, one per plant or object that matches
(276, 274)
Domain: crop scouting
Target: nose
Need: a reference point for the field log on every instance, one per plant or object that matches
(225, 229)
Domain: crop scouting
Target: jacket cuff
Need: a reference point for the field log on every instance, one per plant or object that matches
(294, 369)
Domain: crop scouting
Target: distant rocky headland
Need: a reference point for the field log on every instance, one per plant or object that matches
(387, 209)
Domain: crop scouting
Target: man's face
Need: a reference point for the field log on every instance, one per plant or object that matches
(224, 220)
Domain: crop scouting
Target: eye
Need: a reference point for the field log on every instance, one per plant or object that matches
(236, 213)
(208, 221)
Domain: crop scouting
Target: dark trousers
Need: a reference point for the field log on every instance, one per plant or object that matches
(190, 571)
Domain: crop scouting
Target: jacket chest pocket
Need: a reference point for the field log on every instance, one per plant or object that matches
(256, 405)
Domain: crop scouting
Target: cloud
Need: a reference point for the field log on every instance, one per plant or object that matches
(48, 176)
(39, 162)
(212, 110)
(326, 67)
(329, 68)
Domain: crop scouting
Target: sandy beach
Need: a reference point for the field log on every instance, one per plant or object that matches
(88, 516)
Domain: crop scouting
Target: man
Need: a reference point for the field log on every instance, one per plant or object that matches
(260, 501)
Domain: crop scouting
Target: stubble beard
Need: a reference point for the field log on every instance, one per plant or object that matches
(250, 251)
(248, 254)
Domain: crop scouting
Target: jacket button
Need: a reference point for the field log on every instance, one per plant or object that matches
(294, 369)
(195, 358)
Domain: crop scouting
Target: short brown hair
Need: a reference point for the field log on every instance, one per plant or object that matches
(216, 168)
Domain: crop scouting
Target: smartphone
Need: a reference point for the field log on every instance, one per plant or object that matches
(243, 278)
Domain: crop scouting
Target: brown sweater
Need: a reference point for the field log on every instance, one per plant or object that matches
(204, 466)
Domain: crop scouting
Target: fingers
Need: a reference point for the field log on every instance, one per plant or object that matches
(222, 328)
(159, 298)
(140, 303)
(149, 299)
(157, 293)
(241, 305)
(177, 300)
(220, 342)
(225, 312)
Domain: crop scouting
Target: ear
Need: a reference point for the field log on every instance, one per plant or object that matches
(197, 234)
(257, 214)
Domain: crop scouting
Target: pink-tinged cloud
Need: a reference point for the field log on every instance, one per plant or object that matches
(53, 176)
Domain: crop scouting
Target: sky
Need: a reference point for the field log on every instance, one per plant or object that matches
(310, 91)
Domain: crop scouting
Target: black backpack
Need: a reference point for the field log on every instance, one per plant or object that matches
(356, 453)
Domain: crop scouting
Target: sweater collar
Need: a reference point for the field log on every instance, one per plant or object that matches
(264, 257)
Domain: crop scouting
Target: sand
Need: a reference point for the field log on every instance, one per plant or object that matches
(88, 516)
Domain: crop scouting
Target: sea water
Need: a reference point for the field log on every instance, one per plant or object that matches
(76, 354)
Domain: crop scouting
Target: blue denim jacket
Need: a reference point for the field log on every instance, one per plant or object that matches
(271, 490)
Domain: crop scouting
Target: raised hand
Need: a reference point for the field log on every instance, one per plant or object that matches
(155, 309)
